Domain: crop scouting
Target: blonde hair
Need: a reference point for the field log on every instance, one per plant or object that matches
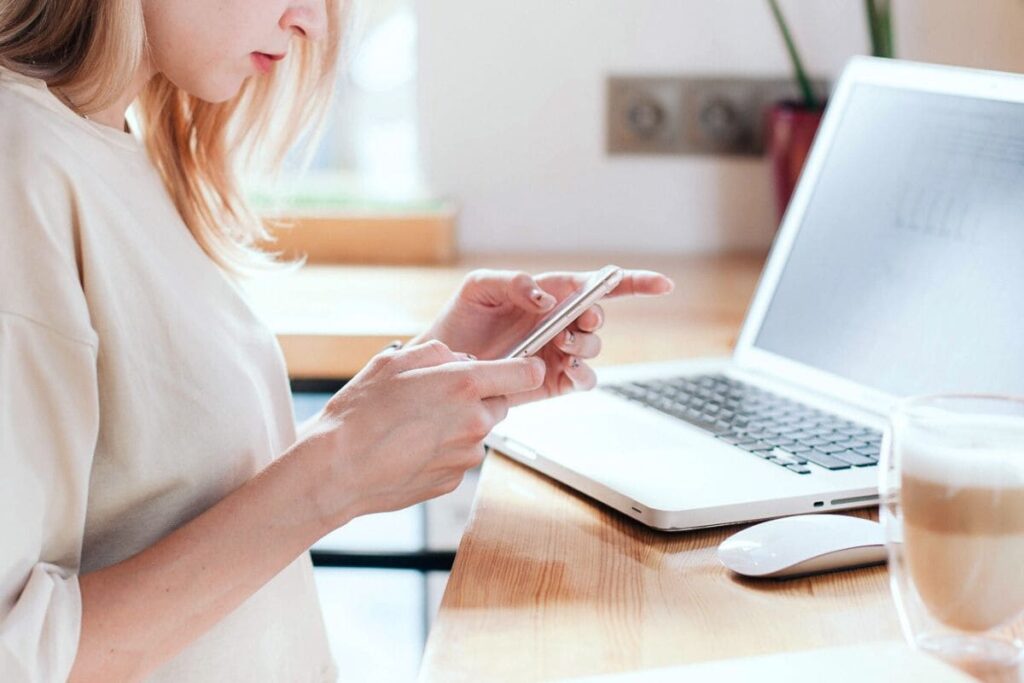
(91, 49)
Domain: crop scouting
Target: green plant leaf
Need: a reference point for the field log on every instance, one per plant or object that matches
(799, 73)
(879, 17)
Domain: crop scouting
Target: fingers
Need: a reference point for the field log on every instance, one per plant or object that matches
(495, 287)
(479, 422)
(577, 343)
(580, 374)
(444, 486)
(592, 319)
(642, 283)
(634, 283)
(429, 354)
(575, 375)
(489, 378)
(461, 456)
(525, 293)
(497, 409)
(476, 425)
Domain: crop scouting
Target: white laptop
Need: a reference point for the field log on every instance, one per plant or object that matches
(898, 270)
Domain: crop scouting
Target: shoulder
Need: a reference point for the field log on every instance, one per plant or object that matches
(40, 276)
(39, 153)
(26, 117)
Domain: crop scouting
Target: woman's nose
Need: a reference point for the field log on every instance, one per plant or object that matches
(308, 18)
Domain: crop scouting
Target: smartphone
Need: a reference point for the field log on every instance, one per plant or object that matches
(602, 282)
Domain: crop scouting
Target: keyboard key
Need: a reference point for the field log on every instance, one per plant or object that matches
(868, 451)
(799, 469)
(786, 456)
(703, 424)
(853, 430)
(825, 460)
(793, 431)
(735, 440)
(831, 448)
(855, 459)
(756, 446)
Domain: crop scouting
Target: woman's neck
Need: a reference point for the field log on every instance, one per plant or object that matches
(114, 114)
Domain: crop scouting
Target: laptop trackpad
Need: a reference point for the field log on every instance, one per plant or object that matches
(637, 451)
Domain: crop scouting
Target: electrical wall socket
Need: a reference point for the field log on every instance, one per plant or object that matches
(692, 115)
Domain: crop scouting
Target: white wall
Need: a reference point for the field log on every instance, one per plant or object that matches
(511, 96)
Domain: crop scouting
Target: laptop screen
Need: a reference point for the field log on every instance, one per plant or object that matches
(907, 274)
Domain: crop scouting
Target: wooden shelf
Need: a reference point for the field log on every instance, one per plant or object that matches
(405, 238)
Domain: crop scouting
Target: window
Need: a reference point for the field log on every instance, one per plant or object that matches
(368, 156)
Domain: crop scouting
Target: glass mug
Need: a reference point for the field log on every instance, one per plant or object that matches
(952, 505)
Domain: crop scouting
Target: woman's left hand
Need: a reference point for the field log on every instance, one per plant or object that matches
(495, 309)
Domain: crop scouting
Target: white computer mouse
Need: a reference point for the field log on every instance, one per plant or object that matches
(806, 544)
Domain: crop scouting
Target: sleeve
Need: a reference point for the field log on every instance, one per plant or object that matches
(49, 400)
(49, 422)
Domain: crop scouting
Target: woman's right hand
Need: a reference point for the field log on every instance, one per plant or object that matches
(408, 426)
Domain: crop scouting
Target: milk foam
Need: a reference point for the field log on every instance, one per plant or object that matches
(966, 451)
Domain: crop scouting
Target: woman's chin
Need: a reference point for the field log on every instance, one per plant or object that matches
(219, 95)
(216, 92)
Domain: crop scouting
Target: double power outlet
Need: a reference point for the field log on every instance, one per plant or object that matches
(691, 115)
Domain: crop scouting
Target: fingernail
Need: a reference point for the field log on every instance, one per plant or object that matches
(542, 299)
(570, 337)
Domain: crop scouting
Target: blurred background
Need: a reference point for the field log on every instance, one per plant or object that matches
(501, 106)
(498, 121)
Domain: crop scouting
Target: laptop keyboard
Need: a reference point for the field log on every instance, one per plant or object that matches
(777, 429)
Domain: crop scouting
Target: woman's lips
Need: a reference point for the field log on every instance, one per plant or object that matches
(265, 61)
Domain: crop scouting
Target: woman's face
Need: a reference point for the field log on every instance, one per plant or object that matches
(209, 47)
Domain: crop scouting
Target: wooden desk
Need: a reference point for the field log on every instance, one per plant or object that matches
(546, 583)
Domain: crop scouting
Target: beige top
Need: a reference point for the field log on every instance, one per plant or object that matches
(137, 389)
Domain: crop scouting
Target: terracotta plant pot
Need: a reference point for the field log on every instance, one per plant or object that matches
(789, 131)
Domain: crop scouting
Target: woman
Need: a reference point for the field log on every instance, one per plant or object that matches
(157, 500)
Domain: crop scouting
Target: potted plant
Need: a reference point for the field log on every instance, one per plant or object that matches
(791, 124)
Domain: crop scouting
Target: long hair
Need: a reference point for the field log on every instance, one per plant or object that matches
(91, 49)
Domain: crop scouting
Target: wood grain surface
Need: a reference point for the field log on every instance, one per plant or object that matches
(549, 584)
